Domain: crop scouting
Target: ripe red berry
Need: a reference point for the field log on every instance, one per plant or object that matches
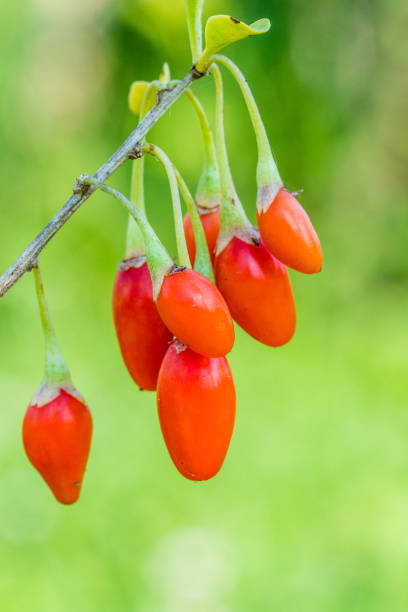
(195, 311)
(196, 406)
(211, 224)
(57, 438)
(257, 289)
(289, 234)
(143, 337)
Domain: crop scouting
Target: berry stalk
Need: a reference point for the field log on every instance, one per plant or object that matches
(267, 175)
(234, 221)
(134, 240)
(202, 261)
(182, 251)
(208, 190)
(56, 371)
(158, 259)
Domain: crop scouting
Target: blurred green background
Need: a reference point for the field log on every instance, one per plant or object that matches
(310, 511)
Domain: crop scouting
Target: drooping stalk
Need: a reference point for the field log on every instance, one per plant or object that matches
(202, 262)
(194, 11)
(158, 260)
(208, 190)
(267, 175)
(56, 371)
(182, 251)
(134, 240)
(234, 221)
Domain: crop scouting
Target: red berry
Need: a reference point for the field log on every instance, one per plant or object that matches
(257, 289)
(195, 311)
(211, 224)
(57, 438)
(196, 406)
(289, 234)
(143, 337)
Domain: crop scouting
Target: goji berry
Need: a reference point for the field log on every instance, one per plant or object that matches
(196, 407)
(289, 234)
(257, 289)
(57, 438)
(143, 337)
(195, 312)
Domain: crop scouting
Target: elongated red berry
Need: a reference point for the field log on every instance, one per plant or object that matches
(143, 337)
(195, 312)
(57, 438)
(196, 406)
(211, 224)
(289, 234)
(257, 289)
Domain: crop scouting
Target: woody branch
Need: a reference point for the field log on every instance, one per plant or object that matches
(127, 150)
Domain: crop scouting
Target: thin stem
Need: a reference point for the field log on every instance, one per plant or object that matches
(158, 259)
(227, 183)
(208, 191)
(56, 369)
(194, 11)
(145, 227)
(26, 260)
(267, 172)
(136, 184)
(134, 240)
(233, 219)
(202, 260)
(259, 128)
(182, 251)
(208, 140)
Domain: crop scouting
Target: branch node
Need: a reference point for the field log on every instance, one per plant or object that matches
(160, 93)
(32, 264)
(136, 152)
(80, 188)
(196, 74)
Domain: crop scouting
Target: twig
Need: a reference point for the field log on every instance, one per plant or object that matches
(127, 150)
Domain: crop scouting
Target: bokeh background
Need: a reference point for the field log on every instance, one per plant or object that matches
(310, 511)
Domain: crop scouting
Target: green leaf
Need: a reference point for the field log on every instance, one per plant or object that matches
(136, 94)
(222, 30)
(165, 75)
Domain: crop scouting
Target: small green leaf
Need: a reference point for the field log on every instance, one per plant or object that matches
(136, 94)
(165, 75)
(222, 30)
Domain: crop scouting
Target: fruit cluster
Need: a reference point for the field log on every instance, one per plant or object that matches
(174, 321)
(177, 342)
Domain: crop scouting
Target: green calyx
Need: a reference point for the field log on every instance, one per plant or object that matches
(221, 31)
(233, 219)
(268, 179)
